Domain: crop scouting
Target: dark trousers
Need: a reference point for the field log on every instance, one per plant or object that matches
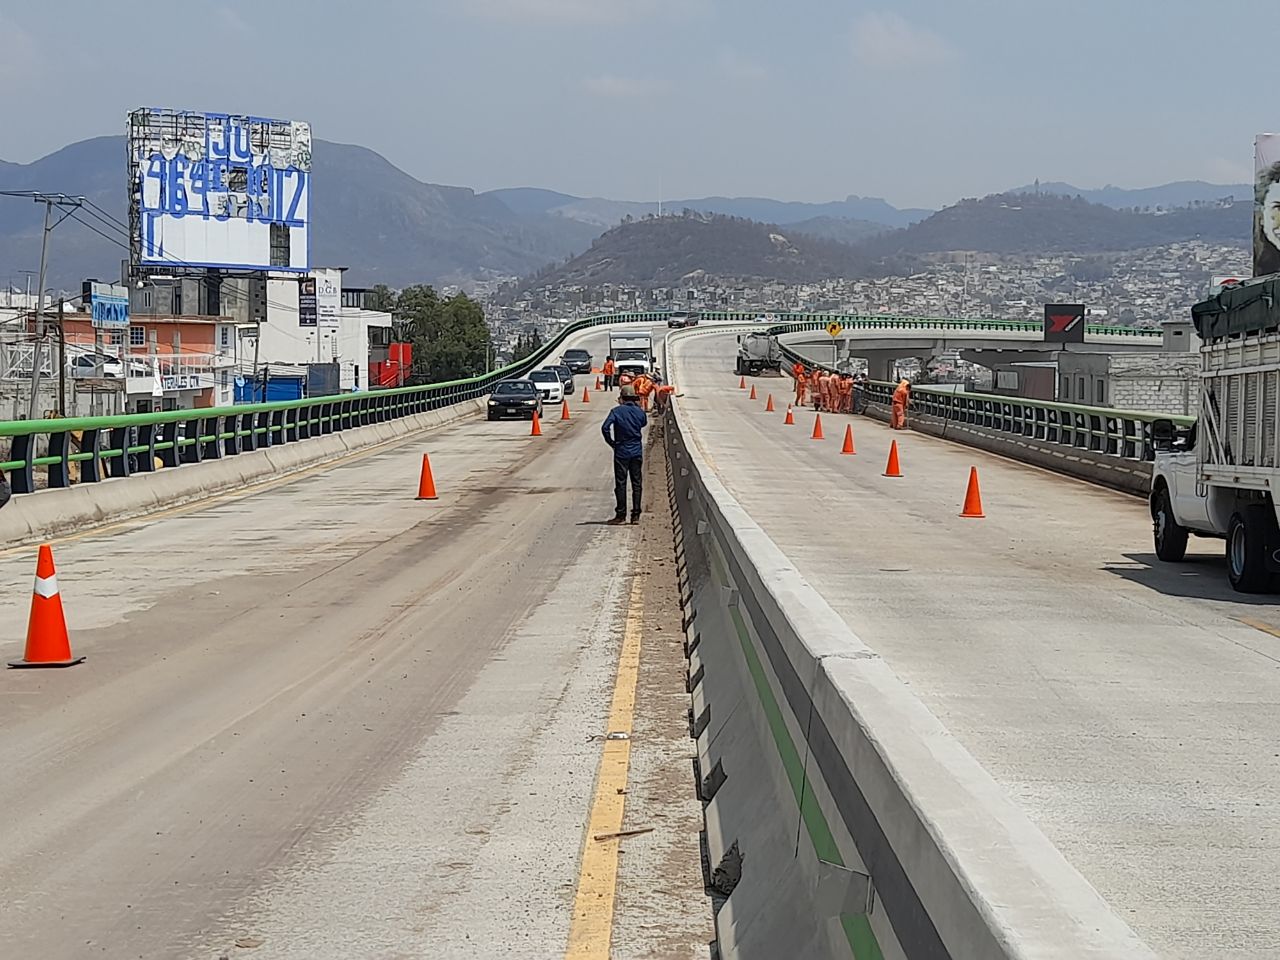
(608, 380)
(624, 467)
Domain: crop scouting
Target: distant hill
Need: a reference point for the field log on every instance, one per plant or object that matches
(602, 212)
(667, 250)
(836, 228)
(368, 215)
(1180, 193)
(1045, 223)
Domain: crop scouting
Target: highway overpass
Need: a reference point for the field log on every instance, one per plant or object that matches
(323, 718)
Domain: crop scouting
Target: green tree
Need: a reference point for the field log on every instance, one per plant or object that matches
(383, 298)
(450, 337)
(527, 344)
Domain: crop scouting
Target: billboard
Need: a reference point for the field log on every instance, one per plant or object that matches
(1064, 323)
(108, 305)
(1266, 204)
(217, 190)
(328, 296)
(307, 302)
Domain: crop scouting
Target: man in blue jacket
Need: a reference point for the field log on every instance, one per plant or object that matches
(622, 431)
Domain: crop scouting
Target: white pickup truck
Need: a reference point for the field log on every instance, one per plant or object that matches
(1221, 477)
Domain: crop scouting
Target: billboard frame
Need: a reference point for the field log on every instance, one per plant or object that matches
(217, 168)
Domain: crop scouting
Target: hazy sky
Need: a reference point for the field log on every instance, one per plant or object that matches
(918, 101)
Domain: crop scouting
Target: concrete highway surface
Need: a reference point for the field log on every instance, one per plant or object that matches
(1130, 707)
(326, 720)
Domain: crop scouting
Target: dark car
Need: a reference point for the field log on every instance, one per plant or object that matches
(565, 375)
(579, 361)
(514, 398)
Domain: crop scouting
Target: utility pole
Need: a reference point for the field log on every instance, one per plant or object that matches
(36, 349)
(62, 359)
(257, 344)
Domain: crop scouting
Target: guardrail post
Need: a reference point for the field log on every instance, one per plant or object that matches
(211, 449)
(231, 443)
(59, 446)
(147, 438)
(169, 434)
(289, 425)
(362, 410)
(119, 465)
(23, 479)
(193, 430)
(91, 469)
(250, 424)
(326, 417)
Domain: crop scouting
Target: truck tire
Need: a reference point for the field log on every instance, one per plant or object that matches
(737, 367)
(1170, 536)
(1247, 552)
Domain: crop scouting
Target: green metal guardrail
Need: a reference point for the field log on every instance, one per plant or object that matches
(119, 446)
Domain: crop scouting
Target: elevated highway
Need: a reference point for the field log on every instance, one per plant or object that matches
(1124, 706)
(324, 719)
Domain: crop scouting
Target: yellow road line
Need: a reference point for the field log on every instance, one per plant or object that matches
(591, 928)
(1259, 625)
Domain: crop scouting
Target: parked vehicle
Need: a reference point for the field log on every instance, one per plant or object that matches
(565, 375)
(515, 398)
(549, 384)
(632, 350)
(1220, 476)
(758, 354)
(579, 361)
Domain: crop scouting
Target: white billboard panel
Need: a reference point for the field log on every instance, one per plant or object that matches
(328, 296)
(217, 190)
(1266, 204)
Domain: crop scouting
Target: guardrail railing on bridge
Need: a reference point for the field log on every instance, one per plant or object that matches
(121, 445)
(1100, 433)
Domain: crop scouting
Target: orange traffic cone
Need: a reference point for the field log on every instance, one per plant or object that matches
(47, 642)
(586, 397)
(564, 410)
(768, 407)
(817, 427)
(972, 497)
(790, 417)
(536, 429)
(598, 384)
(753, 392)
(848, 440)
(742, 383)
(892, 469)
(426, 482)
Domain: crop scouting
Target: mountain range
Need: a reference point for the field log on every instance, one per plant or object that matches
(389, 227)
(674, 250)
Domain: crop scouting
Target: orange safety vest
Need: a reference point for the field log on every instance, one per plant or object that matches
(608, 368)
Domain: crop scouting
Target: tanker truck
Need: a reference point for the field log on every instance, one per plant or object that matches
(758, 354)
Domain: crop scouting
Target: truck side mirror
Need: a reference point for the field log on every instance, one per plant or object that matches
(1162, 434)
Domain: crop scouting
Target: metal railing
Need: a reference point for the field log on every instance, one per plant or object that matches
(121, 445)
(1103, 431)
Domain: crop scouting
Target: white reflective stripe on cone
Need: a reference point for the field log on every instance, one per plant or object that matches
(47, 586)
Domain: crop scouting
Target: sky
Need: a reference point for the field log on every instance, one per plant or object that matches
(921, 102)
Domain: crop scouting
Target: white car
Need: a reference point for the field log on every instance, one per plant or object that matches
(549, 385)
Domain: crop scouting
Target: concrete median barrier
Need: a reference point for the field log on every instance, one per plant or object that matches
(842, 819)
(49, 513)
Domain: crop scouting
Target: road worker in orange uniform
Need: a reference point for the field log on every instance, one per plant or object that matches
(901, 397)
(608, 371)
(815, 388)
(625, 379)
(844, 391)
(825, 383)
(644, 390)
(801, 378)
(662, 397)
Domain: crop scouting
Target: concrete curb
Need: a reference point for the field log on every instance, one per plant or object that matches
(49, 513)
(957, 869)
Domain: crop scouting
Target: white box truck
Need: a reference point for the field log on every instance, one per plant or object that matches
(632, 350)
(1221, 476)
